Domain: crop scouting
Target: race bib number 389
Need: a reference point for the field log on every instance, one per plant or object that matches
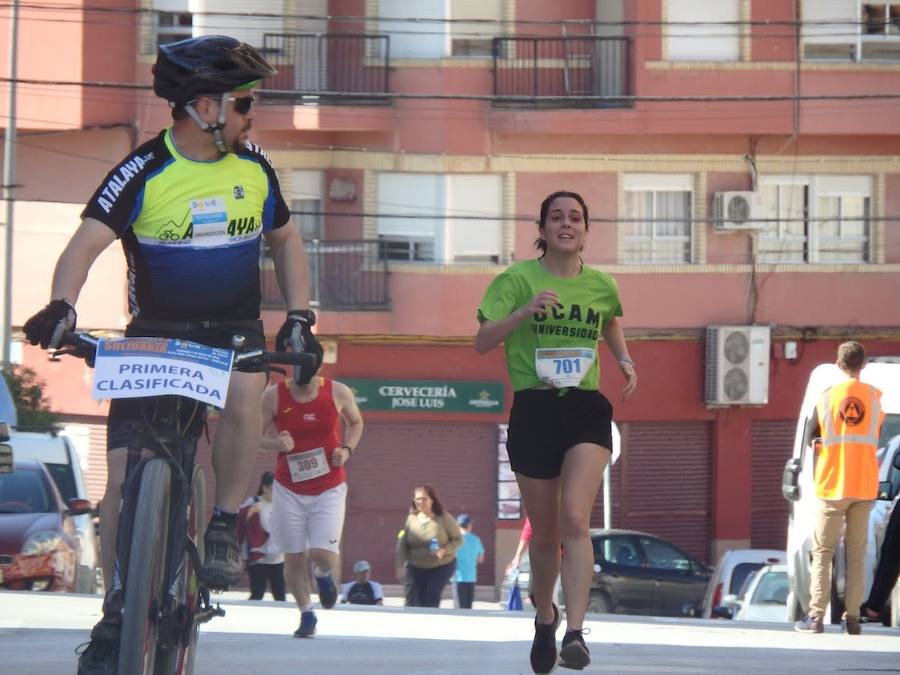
(307, 465)
(563, 367)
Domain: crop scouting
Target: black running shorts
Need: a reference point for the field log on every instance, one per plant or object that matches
(125, 413)
(543, 425)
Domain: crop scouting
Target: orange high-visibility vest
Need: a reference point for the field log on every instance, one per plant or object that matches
(850, 419)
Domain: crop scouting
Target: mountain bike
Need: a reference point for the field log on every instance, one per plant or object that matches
(162, 523)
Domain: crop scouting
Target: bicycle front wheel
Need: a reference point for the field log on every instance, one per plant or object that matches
(178, 657)
(145, 581)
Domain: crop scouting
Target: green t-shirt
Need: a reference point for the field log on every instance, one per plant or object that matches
(588, 302)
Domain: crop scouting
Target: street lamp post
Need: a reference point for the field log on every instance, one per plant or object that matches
(9, 177)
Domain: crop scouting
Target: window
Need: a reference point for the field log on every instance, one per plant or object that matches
(880, 18)
(172, 20)
(439, 217)
(448, 27)
(784, 238)
(657, 223)
(851, 30)
(618, 549)
(816, 219)
(663, 556)
(173, 26)
(703, 31)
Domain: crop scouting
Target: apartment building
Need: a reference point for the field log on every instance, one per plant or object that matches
(740, 160)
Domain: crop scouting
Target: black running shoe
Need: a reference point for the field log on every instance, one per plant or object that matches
(327, 591)
(222, 567)
(574, 653)
(308, 623)
(100, 656)
(543, 649)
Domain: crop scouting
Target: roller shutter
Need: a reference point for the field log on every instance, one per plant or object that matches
(772, 443)
(661, 484)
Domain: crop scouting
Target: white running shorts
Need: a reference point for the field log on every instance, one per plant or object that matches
(301, 522)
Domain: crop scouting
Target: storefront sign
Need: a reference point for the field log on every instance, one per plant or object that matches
(427, 395)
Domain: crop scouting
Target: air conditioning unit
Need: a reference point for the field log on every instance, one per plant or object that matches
(735, 211)
(737, 365)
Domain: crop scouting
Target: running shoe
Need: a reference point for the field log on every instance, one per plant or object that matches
(543, 649)
(308, 623)
(327, 591)
(222, 567)
(574, 653)
(809, 625)
(100, 656)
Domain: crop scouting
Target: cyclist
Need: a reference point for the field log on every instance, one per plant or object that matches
(189, 207)
(303, 418)
(550, 314)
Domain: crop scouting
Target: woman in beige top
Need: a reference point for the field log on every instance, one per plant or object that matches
(426, 549)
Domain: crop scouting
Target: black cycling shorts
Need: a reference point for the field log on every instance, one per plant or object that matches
(125, 413)
(543, 425)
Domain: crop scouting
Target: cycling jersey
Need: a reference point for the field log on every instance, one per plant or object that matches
(587, 303)
(191, 230)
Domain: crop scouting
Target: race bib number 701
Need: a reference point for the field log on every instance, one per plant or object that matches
(563, 367)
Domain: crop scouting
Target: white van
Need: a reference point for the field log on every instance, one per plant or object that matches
(59, 456)
(799, 490)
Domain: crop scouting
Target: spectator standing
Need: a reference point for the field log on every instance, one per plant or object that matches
(362, 591)
(844, 442)
(468, 557)
(426, 549)
(264, 567)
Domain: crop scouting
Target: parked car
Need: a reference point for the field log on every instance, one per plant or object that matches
(735, 566)
(763, 596)
(39, 548)
(639, 573)
(58, 454)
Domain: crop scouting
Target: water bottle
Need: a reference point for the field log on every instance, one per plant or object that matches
(434, 545)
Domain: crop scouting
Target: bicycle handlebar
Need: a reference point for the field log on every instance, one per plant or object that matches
(85, 346)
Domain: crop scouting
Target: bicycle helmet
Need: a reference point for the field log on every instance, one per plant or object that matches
(203, 66)
(211, 64)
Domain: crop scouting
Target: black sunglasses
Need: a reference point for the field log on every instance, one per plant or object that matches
(242, 105)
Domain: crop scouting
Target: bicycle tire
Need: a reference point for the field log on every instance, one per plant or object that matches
(145, 580)
(180, 660)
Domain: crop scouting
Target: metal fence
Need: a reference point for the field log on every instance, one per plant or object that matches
(344, 276)
(334, 67)
(574, 72)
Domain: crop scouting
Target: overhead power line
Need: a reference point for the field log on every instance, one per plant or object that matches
(492, 97)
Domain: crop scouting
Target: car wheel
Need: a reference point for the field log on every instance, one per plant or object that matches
(598, 604)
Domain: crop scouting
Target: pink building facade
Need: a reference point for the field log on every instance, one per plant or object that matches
(740, 165)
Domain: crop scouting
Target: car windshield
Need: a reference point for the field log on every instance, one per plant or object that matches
(772, 589)
(23, 492)
(740, 574)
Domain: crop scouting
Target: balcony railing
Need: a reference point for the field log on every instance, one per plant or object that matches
(564, 72)
(343, 275)
(331, 68)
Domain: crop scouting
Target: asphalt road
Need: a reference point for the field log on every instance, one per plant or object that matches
(39, 631)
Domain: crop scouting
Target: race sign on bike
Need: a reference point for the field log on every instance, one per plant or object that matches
(134, 367)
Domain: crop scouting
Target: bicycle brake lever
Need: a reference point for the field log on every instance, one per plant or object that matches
(278, 370)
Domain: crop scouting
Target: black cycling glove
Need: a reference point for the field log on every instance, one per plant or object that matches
(47, 327)
(296, 334)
